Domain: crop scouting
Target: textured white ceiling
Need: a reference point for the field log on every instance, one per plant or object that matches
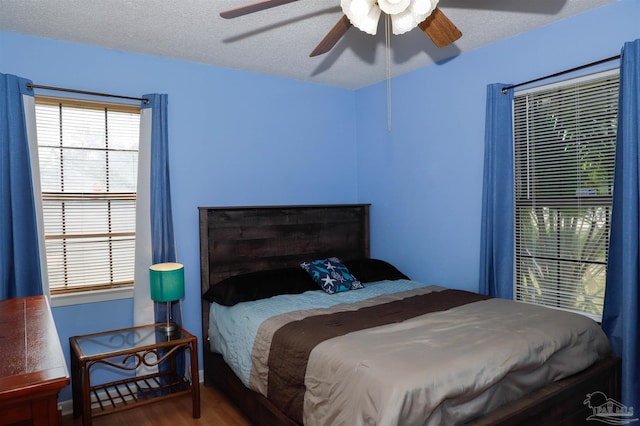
(275, 41)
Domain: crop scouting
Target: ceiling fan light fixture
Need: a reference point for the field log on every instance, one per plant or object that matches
(405, 14)
(403, 22)
(417, 12)
(393, 7)
(363, 14)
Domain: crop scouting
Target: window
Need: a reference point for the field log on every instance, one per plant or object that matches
(564, 150)
(88, 166)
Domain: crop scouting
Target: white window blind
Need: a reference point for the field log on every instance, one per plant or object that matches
(564, 151)
(88, 165)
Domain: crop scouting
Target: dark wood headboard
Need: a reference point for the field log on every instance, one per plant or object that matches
(236, 240)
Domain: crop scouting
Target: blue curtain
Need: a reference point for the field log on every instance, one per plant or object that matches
(20, 274)
(620, 318)
(496, 250)
(163, 245)
(161, 217)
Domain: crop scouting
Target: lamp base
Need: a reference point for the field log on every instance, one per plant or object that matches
(168, 329)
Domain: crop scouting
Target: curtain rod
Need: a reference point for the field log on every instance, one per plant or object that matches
(84, 92)
(581, 67)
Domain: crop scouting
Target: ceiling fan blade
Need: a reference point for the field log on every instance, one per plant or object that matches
(440, 29)
(332, 37)
(254, 7)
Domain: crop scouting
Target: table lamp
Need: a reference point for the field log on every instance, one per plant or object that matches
(167, 285)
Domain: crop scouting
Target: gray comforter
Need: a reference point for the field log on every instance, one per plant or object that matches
(441, 361)
(445, 366)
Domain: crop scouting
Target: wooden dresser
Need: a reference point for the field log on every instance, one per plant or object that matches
(32, 367)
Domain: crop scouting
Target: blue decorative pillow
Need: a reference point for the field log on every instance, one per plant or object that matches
(331, 275)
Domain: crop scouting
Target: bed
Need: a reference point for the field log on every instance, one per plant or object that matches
(240, 242)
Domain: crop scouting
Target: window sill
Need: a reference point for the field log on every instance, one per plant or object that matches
(91, 297)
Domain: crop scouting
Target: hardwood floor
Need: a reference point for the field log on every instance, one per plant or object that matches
(216, 410)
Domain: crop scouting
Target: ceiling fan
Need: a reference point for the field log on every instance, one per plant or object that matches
(364, 14)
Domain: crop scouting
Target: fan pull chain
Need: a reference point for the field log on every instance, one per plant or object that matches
(387, 34)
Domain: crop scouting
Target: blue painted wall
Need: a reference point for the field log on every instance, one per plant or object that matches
(236, 138)
(239, 138)
(424, 177)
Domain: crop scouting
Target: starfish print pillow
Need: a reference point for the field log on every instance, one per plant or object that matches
(331, 275)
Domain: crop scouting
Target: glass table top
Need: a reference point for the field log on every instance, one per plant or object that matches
(127, 340)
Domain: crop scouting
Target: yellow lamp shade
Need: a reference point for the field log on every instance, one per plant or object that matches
(166, 281)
